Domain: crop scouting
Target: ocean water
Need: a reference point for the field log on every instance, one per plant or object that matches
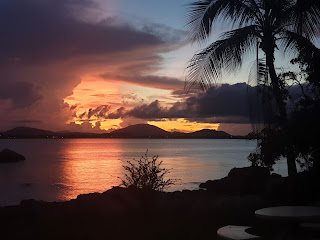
(61, 169)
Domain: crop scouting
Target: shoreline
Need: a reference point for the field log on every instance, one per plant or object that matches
(121, 213)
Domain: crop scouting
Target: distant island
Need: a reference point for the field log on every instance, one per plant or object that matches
(133, 131)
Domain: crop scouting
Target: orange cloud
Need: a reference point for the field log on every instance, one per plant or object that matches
(90, 94)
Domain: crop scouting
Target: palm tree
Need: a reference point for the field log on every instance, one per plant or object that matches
(275, 24)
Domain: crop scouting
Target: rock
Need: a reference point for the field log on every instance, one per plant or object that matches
(220, 186)
(206, 184)
(251, 179)
(247, 180)
(277, 189)
(251, 173)
(7, 156)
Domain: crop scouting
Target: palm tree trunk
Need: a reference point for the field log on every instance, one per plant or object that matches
(291, 161)
(276, 87)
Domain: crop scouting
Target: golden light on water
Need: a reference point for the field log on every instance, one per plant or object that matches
(93, 168)
(96, 165)
(61, 169)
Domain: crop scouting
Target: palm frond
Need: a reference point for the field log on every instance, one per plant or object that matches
(304, 18)
(261, 100)
(205, 68)
(242, 12)
(294, 42)
(201, 15)
(258, 74)
(204, 13)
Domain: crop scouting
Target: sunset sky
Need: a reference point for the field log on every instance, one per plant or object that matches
(98, 65)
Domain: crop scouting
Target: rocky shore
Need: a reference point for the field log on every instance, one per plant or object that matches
(121, 213)
(9, 156)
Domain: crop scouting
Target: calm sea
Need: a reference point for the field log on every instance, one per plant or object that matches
(61, 169)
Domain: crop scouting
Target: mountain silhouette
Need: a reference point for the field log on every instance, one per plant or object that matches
(140, 131)
(27, 132)
(133, 131)
(208, 133)
(150, 131)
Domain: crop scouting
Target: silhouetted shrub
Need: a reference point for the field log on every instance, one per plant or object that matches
(146, 174)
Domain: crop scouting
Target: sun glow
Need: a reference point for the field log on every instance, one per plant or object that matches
(183, 125)
(92, 93)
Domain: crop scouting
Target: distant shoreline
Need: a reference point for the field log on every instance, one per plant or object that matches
(59, 138)
(138, 131)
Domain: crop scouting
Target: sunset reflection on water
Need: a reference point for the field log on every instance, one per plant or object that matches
(95, 167)
(61, 169)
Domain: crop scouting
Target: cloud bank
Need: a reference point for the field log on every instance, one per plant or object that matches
(46, 48)
(224, 104)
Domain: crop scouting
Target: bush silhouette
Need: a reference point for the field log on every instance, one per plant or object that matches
(146, 174)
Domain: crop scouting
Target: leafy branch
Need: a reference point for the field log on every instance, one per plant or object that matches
(146, 174)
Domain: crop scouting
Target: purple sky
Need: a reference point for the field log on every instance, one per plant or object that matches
(96, 65)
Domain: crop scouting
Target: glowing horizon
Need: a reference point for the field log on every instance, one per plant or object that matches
(100, 65)
(91, 92)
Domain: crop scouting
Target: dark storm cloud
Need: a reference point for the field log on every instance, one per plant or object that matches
(228, 103)
(119, 113)
(82, 115)
(22, 94)
(236, 104)
(151, 111)
(233, 104)
(98, 112)
(219, 119)
(225, 100)
(46, 31)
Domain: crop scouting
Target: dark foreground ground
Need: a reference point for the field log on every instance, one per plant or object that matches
(135, 214)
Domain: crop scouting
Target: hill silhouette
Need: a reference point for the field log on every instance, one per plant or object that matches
(140, 131)
(208, 133)
(27, 132)
(133, 131)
